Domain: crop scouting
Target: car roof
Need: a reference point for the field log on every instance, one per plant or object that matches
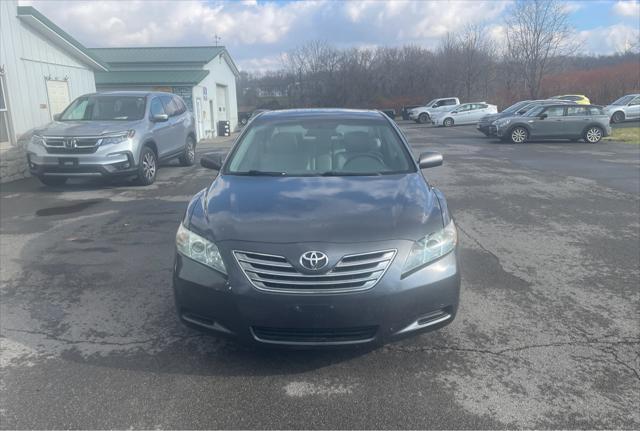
(321, 113)
(130, 93)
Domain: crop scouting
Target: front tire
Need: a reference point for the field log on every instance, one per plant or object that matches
(617, 117)
(189, 156)
(423, 118)
(519, 135)
(448, 122)
(52, 181)
(148, 167)
(593, 135)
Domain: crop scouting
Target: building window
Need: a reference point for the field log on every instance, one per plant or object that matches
(5, 119)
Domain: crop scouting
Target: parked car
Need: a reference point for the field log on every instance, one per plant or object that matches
(319, 230)
(422, 114)
(391, 113)
(556, 121)
(484, 124)
(625, 108)
(113, 134)
(523, 109)
(580, 99)
(467, 113)
(404, 112)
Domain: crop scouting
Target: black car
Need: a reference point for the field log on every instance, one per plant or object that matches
(319, 230)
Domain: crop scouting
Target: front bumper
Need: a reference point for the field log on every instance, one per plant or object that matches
(394, 308)
(73, 165)
(486, 128)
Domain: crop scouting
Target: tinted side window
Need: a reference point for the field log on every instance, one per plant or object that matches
(450, 102)
(156, 107)
(180, 104)
(635, 101)
(573, 111)
(555, 111)
(170, 106)
(596, 110)
(439, 103)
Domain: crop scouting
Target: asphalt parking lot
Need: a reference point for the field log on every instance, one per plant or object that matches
(547, 335)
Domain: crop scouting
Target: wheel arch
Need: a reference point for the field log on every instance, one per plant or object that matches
(151, 144)
(590, 125)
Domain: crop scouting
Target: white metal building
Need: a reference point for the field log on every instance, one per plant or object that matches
(204, 76)
(42, 69)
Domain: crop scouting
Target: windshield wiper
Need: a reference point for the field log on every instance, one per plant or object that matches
(256, 173)
(348, 174)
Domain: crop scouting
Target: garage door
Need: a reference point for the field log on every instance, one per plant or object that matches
(221, 100)
(58, 95)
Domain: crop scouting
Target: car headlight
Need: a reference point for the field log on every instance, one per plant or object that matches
(501, 122)
(37, 140)
(117, 138)
(431, 247)
(197, 248)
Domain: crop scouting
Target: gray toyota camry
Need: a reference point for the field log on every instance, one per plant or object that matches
(319, 230)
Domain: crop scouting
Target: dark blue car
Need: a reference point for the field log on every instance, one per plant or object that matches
(319, 230)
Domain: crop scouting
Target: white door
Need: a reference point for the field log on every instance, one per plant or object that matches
(58, 95)
(221, 101)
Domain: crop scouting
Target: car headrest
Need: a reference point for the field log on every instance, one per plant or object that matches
(358, 142)
(283, 143)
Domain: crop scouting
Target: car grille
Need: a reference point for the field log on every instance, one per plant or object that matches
(84, 145)
(352, 273)
(314, 335)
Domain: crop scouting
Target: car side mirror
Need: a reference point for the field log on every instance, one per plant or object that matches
(160, 118)
(543, 116)
(430, 160)
(211, 161)
(56, 117)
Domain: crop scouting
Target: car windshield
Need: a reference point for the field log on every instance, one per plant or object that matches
(105, 108)
(515, 107)
(623, 100)
(320, 147)
(430, 103)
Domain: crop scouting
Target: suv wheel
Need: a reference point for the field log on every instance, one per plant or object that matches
(52, 181)
(189, 156)
(423, 118)
(519, 135)
(147, 167)
(448, 122)
(593, 135)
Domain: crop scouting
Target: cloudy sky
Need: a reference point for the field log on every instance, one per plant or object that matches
(258, 32)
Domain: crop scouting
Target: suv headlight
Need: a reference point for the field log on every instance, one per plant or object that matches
(117, 138)
(431, 247)
(502, 122)
(197, 248)
(37, 140)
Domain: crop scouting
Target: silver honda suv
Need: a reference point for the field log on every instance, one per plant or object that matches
(110, 134)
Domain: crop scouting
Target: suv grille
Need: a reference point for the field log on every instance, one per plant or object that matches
(314, 335)
(352, 273)
(83, 145)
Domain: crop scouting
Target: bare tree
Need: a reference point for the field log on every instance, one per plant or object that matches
(537, 31)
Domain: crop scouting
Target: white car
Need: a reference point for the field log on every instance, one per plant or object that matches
(422, 114)
(625, 108)
(467, 113)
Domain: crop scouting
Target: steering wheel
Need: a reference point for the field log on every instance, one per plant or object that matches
(374, 157)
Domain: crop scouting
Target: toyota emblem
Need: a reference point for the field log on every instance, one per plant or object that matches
(314, 260)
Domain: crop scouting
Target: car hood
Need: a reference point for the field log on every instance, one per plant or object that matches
(491, 117)
(317, 209)
(84, 128)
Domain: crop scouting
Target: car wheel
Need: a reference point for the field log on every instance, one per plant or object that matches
(189, 156)
(148, 167)
(448, 122)
(519, 135)
(593, 135)
(617, 117)
(423, 118)
(52, 181)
